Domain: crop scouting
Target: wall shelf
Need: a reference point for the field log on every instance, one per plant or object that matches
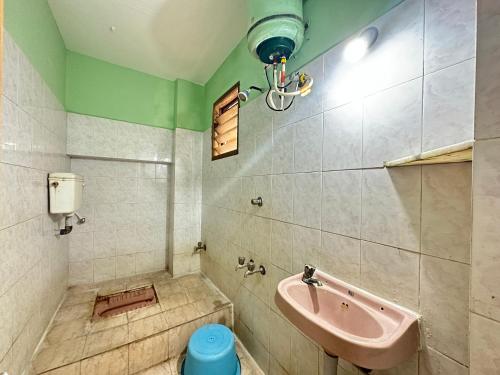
(457, 153)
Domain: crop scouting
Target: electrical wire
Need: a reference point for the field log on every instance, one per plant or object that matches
(269, 92)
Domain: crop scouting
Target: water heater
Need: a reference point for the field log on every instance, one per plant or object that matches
(276, 29)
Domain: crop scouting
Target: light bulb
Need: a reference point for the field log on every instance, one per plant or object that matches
(359, 46)
(356, 49)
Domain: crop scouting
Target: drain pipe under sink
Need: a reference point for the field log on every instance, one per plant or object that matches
(330, 363)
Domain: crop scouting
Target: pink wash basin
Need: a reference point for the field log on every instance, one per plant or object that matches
(346, 321)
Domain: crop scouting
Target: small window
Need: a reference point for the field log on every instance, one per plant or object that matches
(225, 124)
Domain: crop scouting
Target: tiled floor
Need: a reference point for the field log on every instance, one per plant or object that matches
(135, 340)
(172, 367)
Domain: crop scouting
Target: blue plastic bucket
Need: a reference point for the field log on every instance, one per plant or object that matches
(211, 351)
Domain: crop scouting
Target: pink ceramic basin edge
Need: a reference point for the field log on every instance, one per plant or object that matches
(349, 322)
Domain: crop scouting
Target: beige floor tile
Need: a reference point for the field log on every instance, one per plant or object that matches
(114, 362)
(77, 298)
(68, 330)
(149, 352)
(100, 342)
(108, 323)
(144, 312)
(171, 301)
(146, 327)
(181, 315)
(161, 369)
(178, 337)
(74, 312)
(59, 355)
(73, 369)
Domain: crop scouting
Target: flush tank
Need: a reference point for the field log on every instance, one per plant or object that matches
(65, 193)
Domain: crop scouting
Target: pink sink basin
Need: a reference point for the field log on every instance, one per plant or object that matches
(348, 322)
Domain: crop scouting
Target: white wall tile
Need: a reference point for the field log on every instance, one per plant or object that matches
(444, 304)
(391, 207)
(488, 53)
(308, 144)
(392, 124)
(447, 211)
(342, 140)
(450, 33)
(390, 273)
(485, 340)
(307, 200)
(485, 292)
(341, 203)
(449, 106)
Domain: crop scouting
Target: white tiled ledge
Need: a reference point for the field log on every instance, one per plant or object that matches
(165, 161)
(457, 153)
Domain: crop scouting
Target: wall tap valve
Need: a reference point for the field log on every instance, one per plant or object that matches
(251, 269)
(241, 263)
(257, 201)
(200, 246)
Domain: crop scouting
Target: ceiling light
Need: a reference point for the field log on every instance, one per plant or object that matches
(112, 29)
(359, 46)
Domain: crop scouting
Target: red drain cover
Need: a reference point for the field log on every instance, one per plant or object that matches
(129, 300)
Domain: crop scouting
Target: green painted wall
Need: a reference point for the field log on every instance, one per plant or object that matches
(98, 88)
(189, 104)
(32, 26)
(330, 22)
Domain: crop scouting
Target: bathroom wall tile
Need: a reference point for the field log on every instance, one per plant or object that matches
(81, 272)
(104, 269)
(392, 124)
(395, 58)
(485, 235)
(263, 189)
(449, 106)
(446, 322)
(308, 360)
(114, 362)
(391, 207)
(308, 144)
(342, 140)
(281, 341)
(446, 211)
(80, 247)
(487, 124)
(282, 197)
(283, 150)
(433, 362)
(264, 140)
(307, 200)
(282, 245)
(450, 33)
(340, 257)
(341, 203)
(306, 247)
(484, 343)
(390, 273)
(308, 106)
(11, 67)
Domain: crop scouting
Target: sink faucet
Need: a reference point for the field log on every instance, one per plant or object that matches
(308, 278)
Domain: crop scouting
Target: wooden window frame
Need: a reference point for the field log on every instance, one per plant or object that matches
(236, 86)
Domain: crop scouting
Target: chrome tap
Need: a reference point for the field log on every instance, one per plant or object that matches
(308, 278)
(251, 269)
(241, 263)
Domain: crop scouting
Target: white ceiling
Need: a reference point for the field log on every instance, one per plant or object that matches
(186, 39)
